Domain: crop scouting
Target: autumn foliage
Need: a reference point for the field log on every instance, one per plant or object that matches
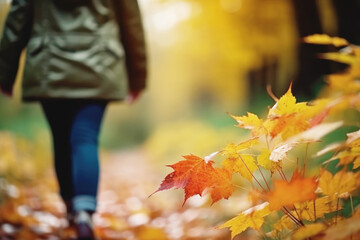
(304, 206)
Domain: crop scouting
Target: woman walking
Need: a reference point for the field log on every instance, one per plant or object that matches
(81, 54)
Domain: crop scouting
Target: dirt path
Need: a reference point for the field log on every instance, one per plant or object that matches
(35, 211)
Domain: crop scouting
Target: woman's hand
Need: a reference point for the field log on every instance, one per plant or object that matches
(7, 90)
(133, 96)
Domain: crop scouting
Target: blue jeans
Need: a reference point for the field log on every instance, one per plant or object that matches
(75, 126)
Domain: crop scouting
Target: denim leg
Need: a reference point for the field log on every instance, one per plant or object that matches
(84, 153)
(75, 126)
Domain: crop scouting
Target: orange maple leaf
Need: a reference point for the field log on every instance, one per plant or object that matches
(197, 176)
(299, 189)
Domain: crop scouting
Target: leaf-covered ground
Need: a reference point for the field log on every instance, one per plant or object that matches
(33, 209)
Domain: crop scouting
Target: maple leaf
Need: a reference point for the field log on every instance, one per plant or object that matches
(263, 160)
(231, 150)
(356, 163)
(284, 223)
(243, 164)
(352, 137)
(349, 152)
(322, 205)
(299, 189)
(338, 185)
(288, 125)
(280, 152)
(250, 121)
(250, 218)
(348, 156)
(308, 231)
(195, 175)
(341, 57)
(287, 105)
(324, 39)
(315, 133)
(222, 186)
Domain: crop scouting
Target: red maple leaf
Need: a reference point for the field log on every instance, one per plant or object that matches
(197, 176)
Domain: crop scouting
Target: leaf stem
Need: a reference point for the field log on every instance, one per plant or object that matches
(292, 217)
(267, 141)
(337, 208)
(297, 213)
(283, 173)
(352, 205)
(267, 185)
(306, 157)
(251, 172)
(243, 188)
(314, 211)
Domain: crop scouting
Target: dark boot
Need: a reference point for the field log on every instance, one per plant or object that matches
(84, 226)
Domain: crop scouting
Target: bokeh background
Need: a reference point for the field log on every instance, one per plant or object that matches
(206, 59)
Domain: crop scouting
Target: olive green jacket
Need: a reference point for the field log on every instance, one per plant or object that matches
(87, 49)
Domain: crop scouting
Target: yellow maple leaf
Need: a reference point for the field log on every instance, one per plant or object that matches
(348, 156)
(338, 185)
(284, 223)
(324, 39)
(250, 121)
(263, 160)
(322, 205)
(243, 164)
(287, 105)
(250, 218)
(341, 57)
(231, 150)
(344, 83)
(308, 231)
(356, 163)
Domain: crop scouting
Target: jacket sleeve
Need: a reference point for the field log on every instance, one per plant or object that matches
(16, 34)
(128, 16)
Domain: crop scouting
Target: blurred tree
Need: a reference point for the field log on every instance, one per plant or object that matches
(347, 13)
